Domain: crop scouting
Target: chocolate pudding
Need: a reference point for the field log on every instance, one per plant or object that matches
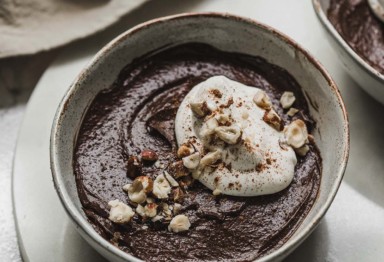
(129, 131)
(360, 28)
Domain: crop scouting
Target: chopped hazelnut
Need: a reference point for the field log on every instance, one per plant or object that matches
(208, 128)
(147, 183)
(120, 213)
(178, 195)
(140, 210)
(176, 208)
(157, 218)
(262, 100)
(273, 119)
(166, 210)
(179, 223)
(210, 158)
(185, 182)
(184, 150)
(200, 109)
(302, 151)
(229, 134)
(223, 119)
(192, 161)
(161, 187)
(296, 133)
(177, 169)
(150, 210)
(292, 111)
(196, 173)
(149, 155)
(216, 192)
(170, 179)
(133, 167)
(287, 100)
(136, 191)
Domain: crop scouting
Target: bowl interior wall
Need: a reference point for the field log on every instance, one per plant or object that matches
(225, 34)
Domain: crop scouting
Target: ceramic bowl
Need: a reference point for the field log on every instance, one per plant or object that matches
(226, 32)
(368, 78)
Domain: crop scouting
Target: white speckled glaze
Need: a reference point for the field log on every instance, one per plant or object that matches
(364, 74)
(227, 32)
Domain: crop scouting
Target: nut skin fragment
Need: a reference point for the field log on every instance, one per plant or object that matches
(273, 119)
(184, 150)
(210, 158)
(161, 187)
(134, 167)
(192, 161)
(200, 109)
(262, 100)
(296, 133)
(179, 223)
(229, 134)
(287, 99)
(120, 213)
(149, 155)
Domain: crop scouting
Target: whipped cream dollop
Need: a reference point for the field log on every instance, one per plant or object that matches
(235, 151)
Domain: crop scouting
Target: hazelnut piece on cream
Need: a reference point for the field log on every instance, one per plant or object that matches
(161, 187)
(208, 128)
(192, 161)
(210, 158)
(185, 150)
(229, 134)
(262, 100)
(200, 109)
(120, 213)
(287, 99)
(273, 119)
(179, 223)
(296, 133)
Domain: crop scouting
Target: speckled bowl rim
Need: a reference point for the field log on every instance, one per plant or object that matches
(85, 226)
(321, 15)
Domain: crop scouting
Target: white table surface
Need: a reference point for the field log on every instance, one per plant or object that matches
(352, 230)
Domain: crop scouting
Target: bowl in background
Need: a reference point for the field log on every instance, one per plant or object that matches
(368, 78)
(228, 33)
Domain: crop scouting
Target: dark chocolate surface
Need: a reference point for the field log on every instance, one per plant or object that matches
(138, 113)
(360, 28)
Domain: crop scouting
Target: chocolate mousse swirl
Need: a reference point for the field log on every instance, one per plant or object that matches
(360, 28)
(138, 112)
